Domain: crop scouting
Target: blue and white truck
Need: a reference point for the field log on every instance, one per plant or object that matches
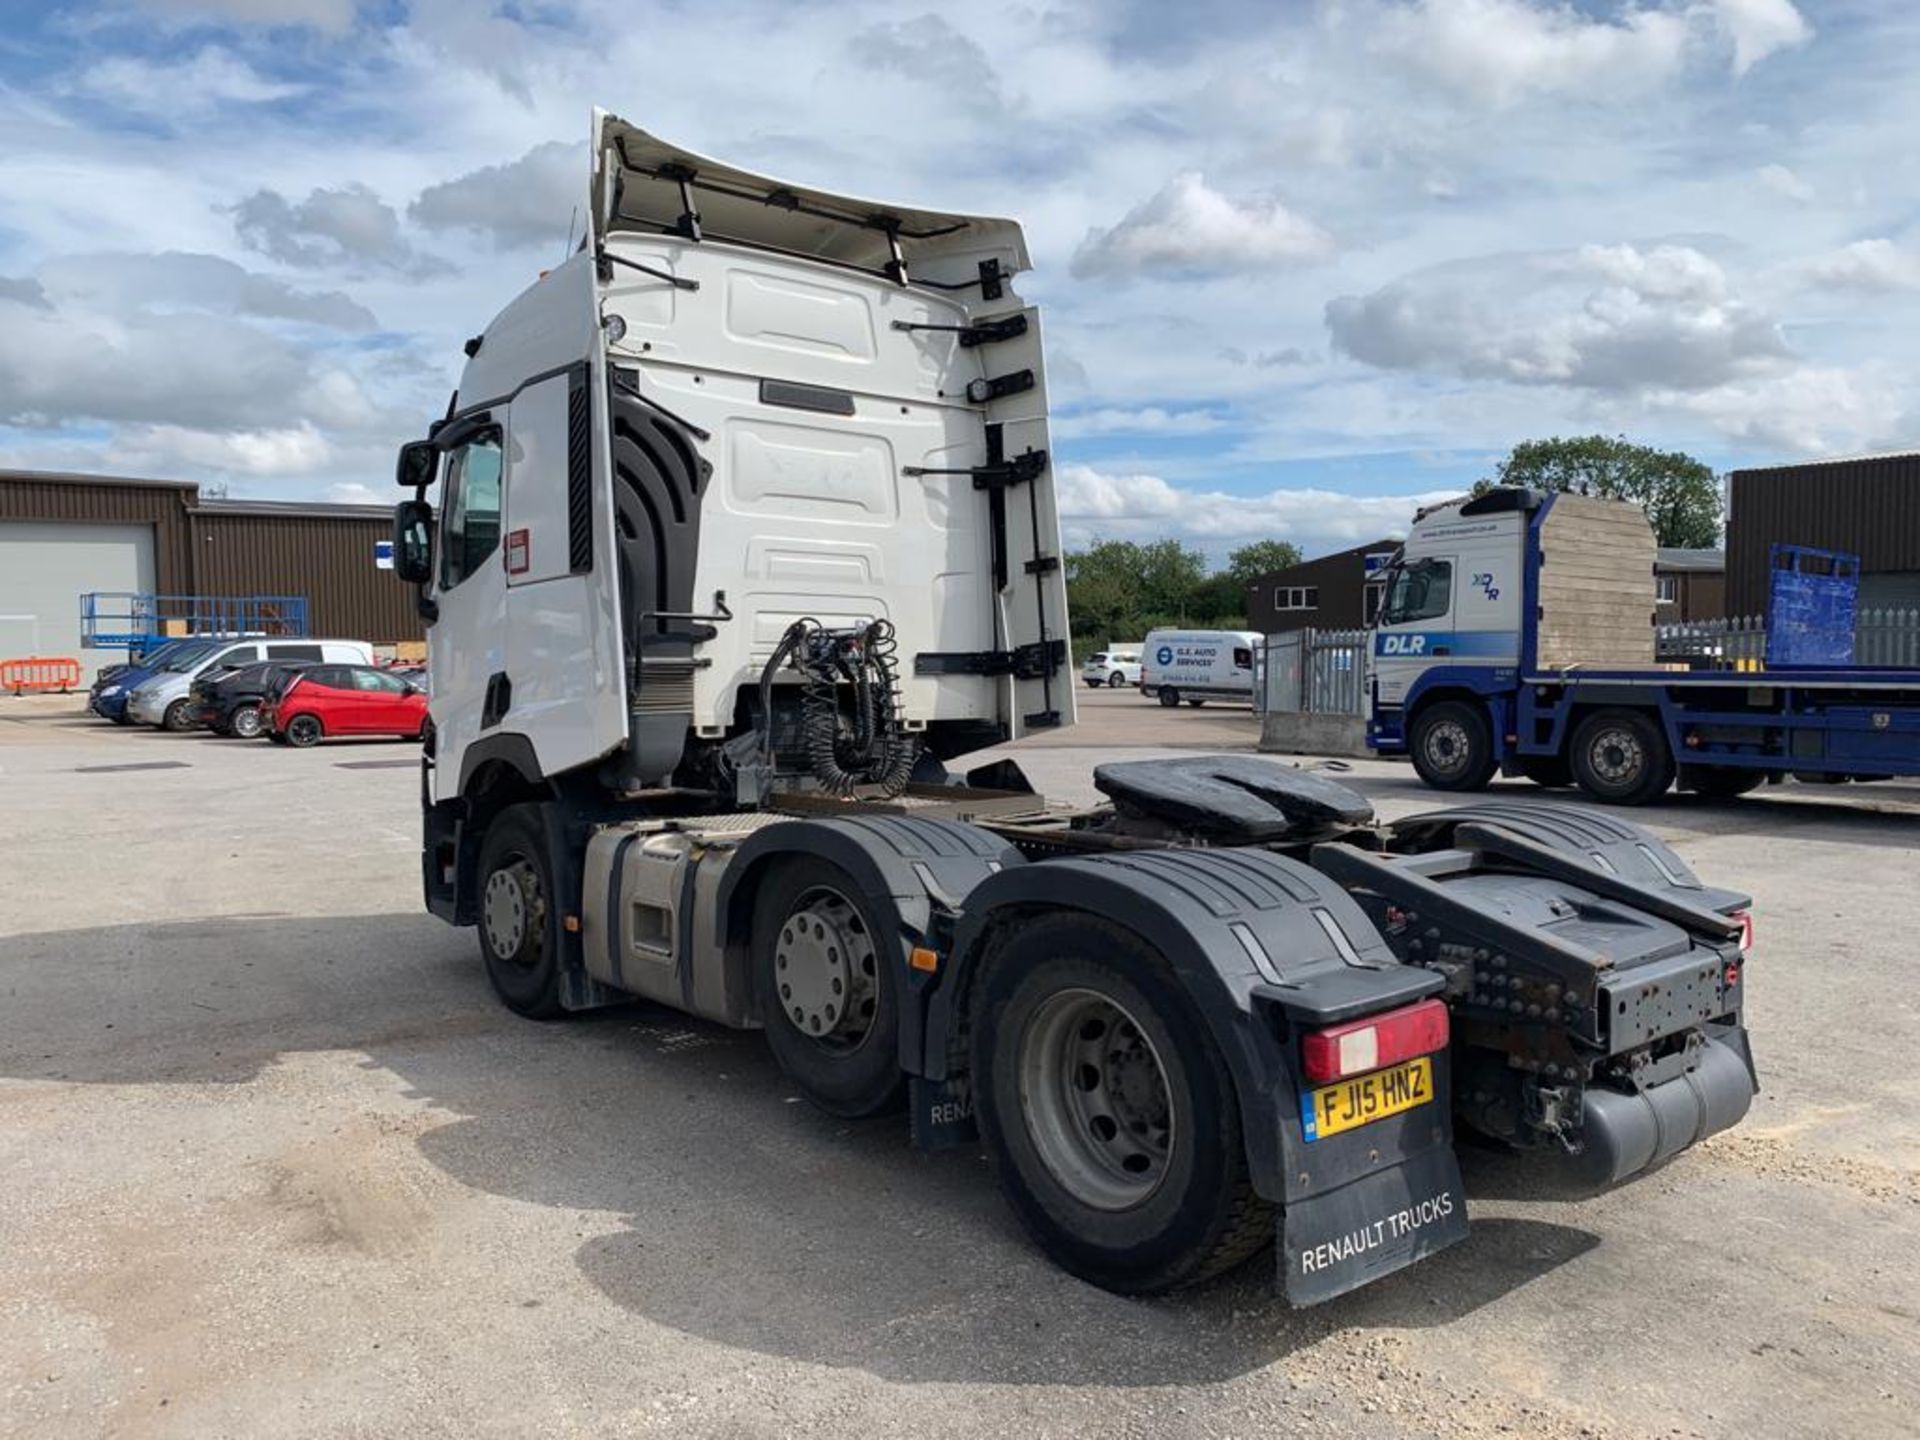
(1517, 637)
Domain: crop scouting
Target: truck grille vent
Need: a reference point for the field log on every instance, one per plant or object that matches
(664, 693)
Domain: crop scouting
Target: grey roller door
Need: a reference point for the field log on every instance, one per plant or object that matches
(45, 567)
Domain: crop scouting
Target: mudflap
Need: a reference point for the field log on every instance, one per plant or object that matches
(1371, 1227)
(942, 1112)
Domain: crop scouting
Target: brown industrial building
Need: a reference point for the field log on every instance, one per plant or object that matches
(62, 536)
(1689, 584)
(1335, 592)
(1867, 505)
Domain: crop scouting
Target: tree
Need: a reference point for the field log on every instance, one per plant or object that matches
(1250, 562)
(1680, 494)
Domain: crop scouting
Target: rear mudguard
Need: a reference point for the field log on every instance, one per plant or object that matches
(1266, 947)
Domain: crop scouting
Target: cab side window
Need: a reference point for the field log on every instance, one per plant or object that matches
(470, 531)
(1421, 591)
(1242, 658)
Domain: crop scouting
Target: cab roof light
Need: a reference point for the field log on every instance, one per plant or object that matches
(1373, 1043)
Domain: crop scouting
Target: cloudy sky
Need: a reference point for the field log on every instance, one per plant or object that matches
(1302, 263)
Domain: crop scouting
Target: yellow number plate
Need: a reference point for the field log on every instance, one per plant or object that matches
(1366, 1098)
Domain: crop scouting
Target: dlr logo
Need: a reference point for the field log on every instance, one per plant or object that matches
(1403, 644)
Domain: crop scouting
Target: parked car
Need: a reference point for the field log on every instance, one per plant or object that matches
(326, 701)
(1114, 668)
(112, 686)
(162, 698)
(229, 703)
(1199, 665)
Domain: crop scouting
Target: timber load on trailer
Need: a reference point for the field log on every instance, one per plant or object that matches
(739, 531)
(1517, 637)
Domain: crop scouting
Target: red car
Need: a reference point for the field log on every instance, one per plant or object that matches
(324, 701)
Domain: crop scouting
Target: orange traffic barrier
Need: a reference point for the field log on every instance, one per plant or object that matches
(39, 675)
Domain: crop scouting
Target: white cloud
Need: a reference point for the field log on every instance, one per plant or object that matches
(1759, 28)
(1189, 227)
(1499, 52)
(1813, 410)
(526, 202)
(1607, 318)
(1097, 505)
(348, 226)
(173, 449)
(352, 492)
(122, 284)
(1875, 266)
(1148, 420)
(1783, 182)
(180, 89)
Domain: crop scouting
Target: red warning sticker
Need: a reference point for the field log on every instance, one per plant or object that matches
(519, 552)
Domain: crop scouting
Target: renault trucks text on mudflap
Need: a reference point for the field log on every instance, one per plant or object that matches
(744, 529)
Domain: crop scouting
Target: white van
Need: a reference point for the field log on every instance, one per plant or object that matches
(1115, 666)
(1198, 665)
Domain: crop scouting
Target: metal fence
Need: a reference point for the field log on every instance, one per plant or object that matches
(1314, 672)
(1882, 639)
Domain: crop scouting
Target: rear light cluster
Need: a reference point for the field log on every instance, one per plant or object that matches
(1375, 1042)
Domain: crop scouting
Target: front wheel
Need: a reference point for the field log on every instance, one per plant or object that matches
(1620, 757)
(1108, 1111)
(304, 730)
(520, 914)
(1452, 746)
(1169, 697)
(176, 717)
(824, 976)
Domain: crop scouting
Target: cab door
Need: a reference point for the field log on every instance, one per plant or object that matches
(1416, 629)
(468, 637)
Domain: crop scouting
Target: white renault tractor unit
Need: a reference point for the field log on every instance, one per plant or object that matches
(744, 528)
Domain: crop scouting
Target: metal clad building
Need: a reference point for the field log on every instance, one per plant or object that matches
(1339, 592)
(62, 536)
(1867, 505)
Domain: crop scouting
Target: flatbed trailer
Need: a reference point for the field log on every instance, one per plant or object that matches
(744, 528)
(1538, 661)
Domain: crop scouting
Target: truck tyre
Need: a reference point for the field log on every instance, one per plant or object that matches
(176, 718)
(519, 914)
(1108, 1112)
(244, 722)
(1452, 746)
(1620, 757)
(1552, 772)
(1169, 696)
(826, 979)
(1720, 782)
(304, 730)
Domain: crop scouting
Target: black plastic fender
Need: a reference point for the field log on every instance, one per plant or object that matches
(1266, 946)
(1596, 836)
(908, 869)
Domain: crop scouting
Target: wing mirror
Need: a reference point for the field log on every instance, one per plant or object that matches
(419, 461)
(413, 540)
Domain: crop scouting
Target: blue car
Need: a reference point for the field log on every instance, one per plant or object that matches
(108, 697)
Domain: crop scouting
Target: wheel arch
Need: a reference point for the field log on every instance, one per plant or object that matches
(1235, 926)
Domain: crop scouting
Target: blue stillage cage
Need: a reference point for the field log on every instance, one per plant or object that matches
(1812, 596)
(117, 619)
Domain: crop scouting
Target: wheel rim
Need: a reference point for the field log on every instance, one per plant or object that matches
(303, 728)
(1446, 746)
(1617, 756)
(246, 723)
(827, 971)
(1116, 680)
(512, 907)
(1095, 1099)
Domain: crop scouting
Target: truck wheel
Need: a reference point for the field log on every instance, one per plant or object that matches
(1169, 697)
(176, 717)
(824, 974)
(245, 722)
(1109, 1113)
(519, 914)
(1720, 782)
(1452, 746)
(304, 730)
(1553, 772)
(1621, 758)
